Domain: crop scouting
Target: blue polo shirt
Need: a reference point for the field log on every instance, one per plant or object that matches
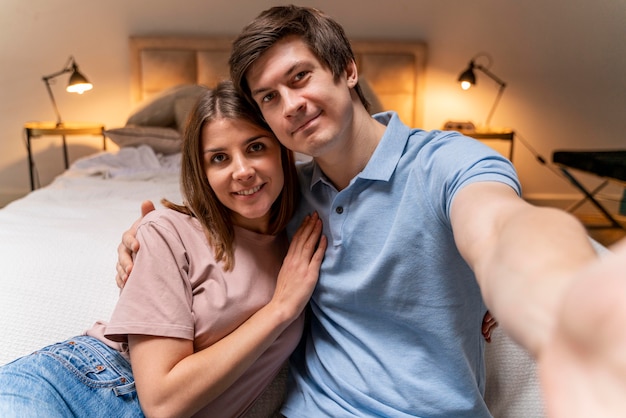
(396, 314)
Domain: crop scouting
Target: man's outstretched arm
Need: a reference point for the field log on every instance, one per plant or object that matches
(540, 276)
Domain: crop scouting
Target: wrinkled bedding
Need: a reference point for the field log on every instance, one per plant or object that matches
(59, 245)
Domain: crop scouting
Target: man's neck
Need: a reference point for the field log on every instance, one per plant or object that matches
(341, 165)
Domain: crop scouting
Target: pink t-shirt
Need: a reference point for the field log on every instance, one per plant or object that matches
(177, 289)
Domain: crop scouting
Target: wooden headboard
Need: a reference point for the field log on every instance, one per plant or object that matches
(393, 70)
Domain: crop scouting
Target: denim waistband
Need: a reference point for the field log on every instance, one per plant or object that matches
(95, 356)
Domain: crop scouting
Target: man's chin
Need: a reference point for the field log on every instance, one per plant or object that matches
(314, 147)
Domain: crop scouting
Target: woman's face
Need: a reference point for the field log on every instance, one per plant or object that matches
(243, 165)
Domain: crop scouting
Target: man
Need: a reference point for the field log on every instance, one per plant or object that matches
(422, 227)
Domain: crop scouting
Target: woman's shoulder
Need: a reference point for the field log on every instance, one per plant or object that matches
(170, 219)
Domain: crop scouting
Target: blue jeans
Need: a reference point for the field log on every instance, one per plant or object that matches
(79, 377)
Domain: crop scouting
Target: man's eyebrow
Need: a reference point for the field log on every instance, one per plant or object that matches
(256, 92)
(287, 73)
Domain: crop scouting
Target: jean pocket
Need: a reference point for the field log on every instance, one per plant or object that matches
(95, 365)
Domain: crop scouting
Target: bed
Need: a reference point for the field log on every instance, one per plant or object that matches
(59, 242)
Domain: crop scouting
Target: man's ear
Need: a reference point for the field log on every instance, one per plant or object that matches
(352, 76)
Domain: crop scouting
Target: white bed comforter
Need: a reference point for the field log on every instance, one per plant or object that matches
(58, 245)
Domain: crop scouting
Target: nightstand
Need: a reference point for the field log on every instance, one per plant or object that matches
(496, 137)
(38, 129)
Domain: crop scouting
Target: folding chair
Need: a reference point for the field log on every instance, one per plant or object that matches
(610, 165)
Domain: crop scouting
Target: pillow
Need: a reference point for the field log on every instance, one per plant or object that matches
(162, 140)
(182, 108)
(159, 110)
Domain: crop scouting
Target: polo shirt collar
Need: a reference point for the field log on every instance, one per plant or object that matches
(386, 155)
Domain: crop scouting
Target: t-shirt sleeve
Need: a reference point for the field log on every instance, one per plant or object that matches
(157, 298)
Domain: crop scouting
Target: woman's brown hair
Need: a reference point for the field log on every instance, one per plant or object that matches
(200, 201)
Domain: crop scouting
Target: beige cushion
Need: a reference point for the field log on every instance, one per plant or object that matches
(160, 110)
(162, 140)
(182, 109)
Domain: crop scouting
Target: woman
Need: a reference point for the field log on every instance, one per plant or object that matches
(215, 305)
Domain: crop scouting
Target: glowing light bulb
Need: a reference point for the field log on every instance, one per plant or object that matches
(79, 88)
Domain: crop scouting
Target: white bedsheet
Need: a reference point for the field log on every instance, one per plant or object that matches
(58, 245)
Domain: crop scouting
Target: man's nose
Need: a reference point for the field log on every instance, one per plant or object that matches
(293, 102)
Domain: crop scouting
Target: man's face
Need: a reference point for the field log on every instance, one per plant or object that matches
(308, 110)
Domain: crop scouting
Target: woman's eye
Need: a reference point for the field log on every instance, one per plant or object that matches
(256, 147)
(218, 158)
(267, 97)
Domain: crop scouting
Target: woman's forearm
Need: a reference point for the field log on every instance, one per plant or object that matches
(173, 381)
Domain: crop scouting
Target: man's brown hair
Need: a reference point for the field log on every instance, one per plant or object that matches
(323, 35)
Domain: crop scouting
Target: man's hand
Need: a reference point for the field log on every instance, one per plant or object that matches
(129, 246)
(583, 366)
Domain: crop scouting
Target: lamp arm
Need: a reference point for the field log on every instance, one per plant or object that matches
(495, 104)
(491, 75)
(46, 79)
(66, 69)
(502, 85)
(54, 103)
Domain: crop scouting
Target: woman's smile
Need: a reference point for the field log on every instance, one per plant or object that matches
(249, 192)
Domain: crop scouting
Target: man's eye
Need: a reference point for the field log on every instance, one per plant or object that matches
(300, 75)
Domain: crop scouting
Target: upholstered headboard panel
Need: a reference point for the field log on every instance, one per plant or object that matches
(394, 70)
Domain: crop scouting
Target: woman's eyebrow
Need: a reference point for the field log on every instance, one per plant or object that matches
(246, 142)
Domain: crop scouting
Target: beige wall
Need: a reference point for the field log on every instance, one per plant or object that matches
(564, 62)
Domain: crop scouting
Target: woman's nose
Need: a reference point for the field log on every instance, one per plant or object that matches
(242, 168)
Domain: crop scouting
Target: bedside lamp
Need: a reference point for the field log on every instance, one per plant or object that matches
(468, 79)
(77, 84)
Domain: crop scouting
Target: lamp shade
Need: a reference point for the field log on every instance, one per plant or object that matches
(467, 77)
(78, 83)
